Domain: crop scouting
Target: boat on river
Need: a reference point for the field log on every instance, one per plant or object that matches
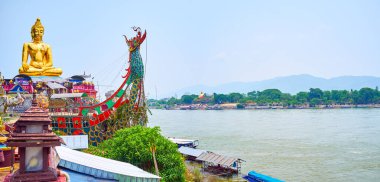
(184, 142)
(257, 177)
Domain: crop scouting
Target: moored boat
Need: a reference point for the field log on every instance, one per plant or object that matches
(184, 142)
(257, 177)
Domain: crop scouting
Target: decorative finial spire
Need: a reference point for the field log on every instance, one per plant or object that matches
(1, 85)
(34, 100)
(37, 24)
(1, 79)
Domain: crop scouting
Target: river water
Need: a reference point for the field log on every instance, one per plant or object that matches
(292, 145)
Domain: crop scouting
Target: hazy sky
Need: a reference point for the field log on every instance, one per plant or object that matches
(199, 42)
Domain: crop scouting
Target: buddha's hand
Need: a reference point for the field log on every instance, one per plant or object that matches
(25, 67)
(37, 65)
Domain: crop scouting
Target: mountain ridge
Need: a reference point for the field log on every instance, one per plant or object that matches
(287, 84)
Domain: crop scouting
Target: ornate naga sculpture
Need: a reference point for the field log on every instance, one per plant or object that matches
(136, 108)
(41, 60)
(126, 107)
(133, 110)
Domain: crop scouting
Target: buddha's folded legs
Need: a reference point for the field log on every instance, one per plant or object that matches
(38, 72)
(52, 71)
(31, 71)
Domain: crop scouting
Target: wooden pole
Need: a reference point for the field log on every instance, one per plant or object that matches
(153, 149)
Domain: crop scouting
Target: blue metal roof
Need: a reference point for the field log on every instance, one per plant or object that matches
(100, 167)
(76, 176)
(191, 151)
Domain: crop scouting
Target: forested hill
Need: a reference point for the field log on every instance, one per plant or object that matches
(289, 84)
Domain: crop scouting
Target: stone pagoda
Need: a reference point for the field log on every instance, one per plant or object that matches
(33, 137)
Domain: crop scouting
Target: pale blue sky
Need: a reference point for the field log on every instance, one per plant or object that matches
(199, 42)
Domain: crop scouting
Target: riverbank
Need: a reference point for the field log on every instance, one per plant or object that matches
(196, 173)
(254, 106)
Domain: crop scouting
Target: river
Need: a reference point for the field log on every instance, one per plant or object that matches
(292, 145)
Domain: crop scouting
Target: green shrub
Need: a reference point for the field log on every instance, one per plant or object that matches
(197, 175)
(133, 145)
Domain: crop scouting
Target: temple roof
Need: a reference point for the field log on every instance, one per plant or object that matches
(26, 77)
(31, 130)
(54, 85)
(217, 159)
(68, 95)
(34, 115)
(47, 79)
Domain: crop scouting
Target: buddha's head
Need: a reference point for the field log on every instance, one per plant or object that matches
(37, 31)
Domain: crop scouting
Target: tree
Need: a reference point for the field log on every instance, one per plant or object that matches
(302, 97)
(288, 100)
(355, 97)
(188, 99)
(135, 145)
(345, 97)
(220, 98)
(327, 97)
(173, 101)
(377, 95)
(314, 102)
(253, 95)
(246, 100)
(315, 93)
(234, 97)
(366, 96)
(336, 96)
(269, 96)
(340, 96)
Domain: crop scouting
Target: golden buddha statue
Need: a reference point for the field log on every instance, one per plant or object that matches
(41, 60)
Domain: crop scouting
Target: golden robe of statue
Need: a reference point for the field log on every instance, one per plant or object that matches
(41, 60)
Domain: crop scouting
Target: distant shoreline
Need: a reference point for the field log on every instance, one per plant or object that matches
(274, 99)
(235, 106)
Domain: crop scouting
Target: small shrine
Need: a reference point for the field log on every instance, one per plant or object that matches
(34, 139)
